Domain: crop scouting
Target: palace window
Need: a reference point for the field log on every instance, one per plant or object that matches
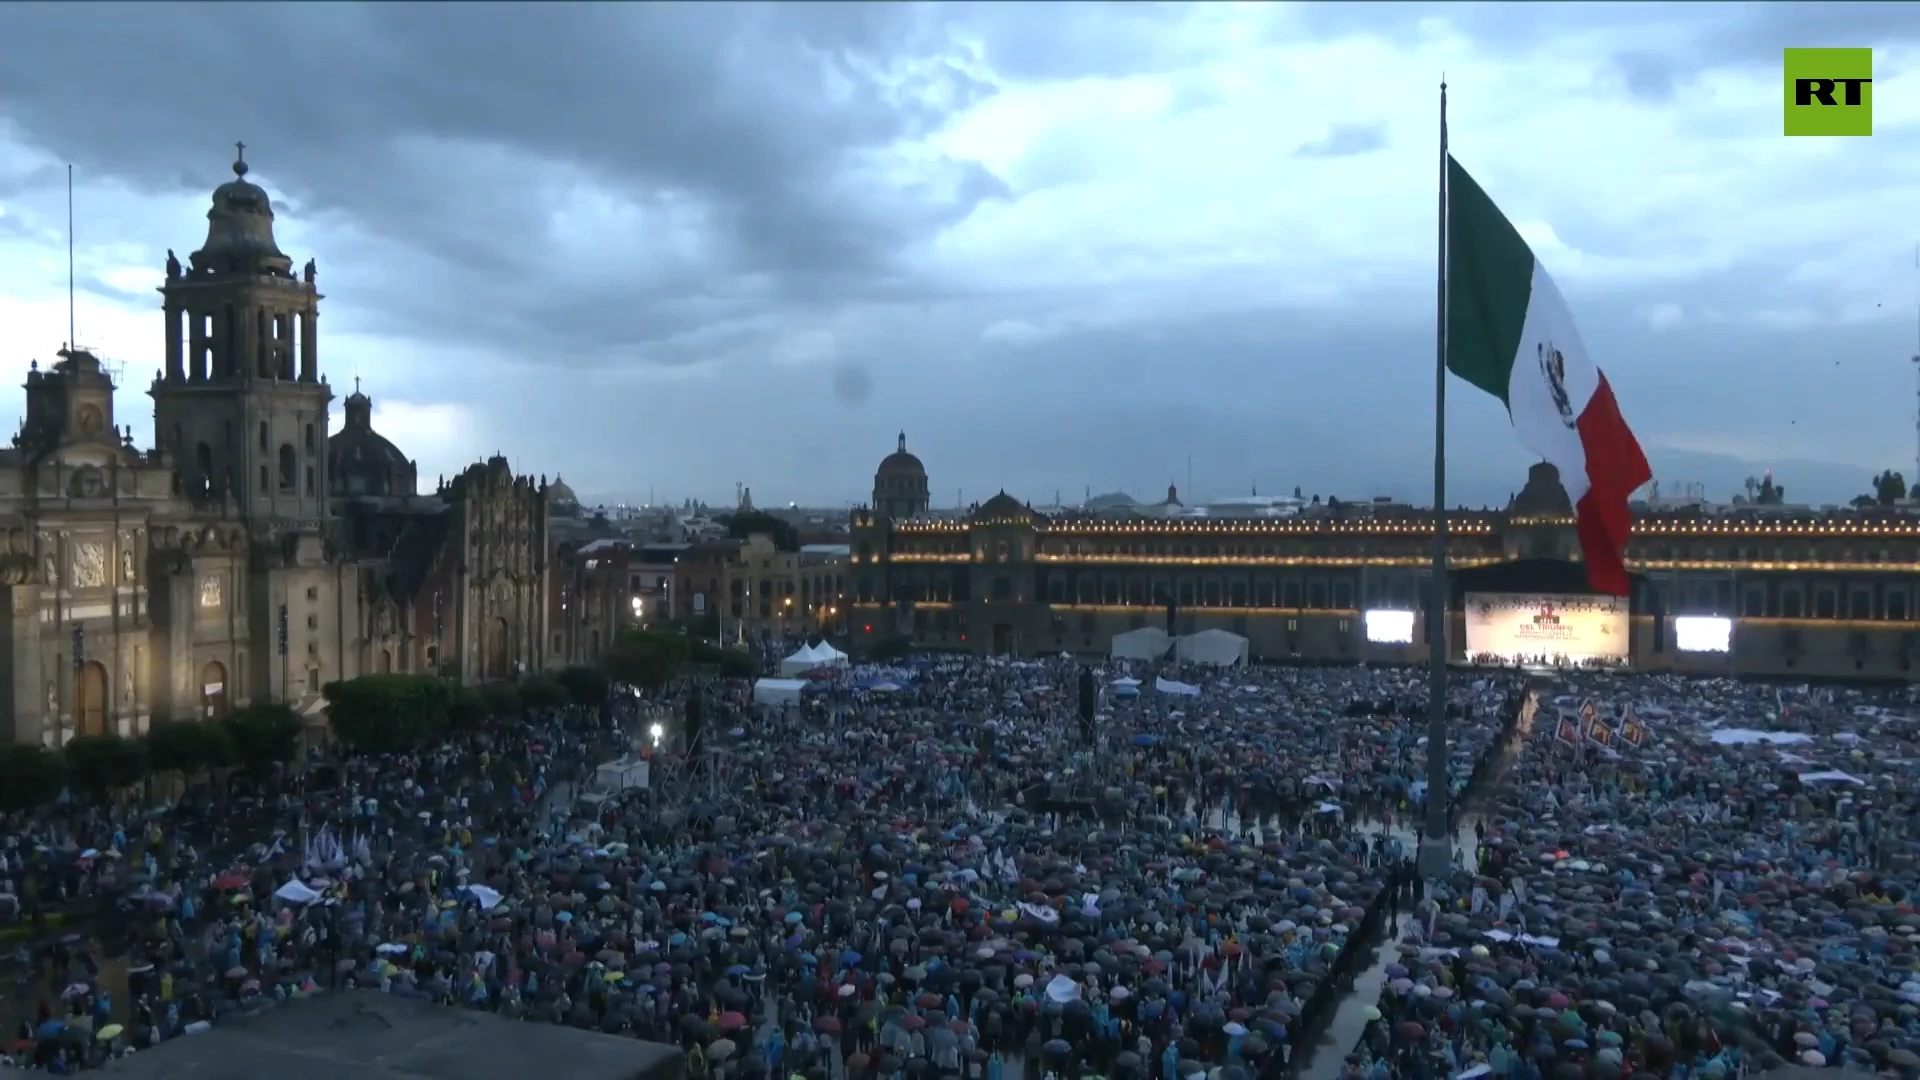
(1896, 605)
(289, 466)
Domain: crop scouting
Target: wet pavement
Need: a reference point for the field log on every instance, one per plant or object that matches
(1325, 1059)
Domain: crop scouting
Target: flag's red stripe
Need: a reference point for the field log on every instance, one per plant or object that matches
(1615, 468)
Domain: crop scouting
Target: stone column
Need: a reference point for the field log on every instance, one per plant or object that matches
(175, 325)
(309, 351)
(260, 349)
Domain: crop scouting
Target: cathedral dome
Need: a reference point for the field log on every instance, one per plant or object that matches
(561, 500)
(240, 230)
(361, 461)
(900, 464)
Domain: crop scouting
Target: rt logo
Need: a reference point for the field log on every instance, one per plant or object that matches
(1829, 91)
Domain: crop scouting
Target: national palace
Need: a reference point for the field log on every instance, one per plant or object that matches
(1809, 593)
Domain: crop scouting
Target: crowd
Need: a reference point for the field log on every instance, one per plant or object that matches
(930, 870)
(1729, 890)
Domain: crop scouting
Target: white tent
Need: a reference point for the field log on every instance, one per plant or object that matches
(1146, 643)
(777, 691)
(808, 657)
(1219, 648)
(1178, 689)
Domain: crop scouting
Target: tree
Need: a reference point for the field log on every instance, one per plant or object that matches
(584, 685)
(1863, 502)
(732, 663)
(502, 700)
(1889, 488)
(699, 626)
(646, 658)
(188, 747)
(30, 776)
(745, 524)
(545, 692)
(467, 711)
(264, 736)
(388, 712)
(99, 764)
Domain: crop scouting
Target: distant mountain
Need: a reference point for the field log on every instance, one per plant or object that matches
(1809, 482)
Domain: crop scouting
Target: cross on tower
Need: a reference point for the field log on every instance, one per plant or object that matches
(240, 151)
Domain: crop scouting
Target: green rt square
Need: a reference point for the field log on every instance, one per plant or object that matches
(1829, 92)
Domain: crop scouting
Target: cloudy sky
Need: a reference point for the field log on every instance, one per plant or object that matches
(674, 248)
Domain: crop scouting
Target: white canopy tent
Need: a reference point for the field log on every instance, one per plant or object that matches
(808, 657)
(777, 691)
(1176, 688)
(1146, 643)
(1219, 648)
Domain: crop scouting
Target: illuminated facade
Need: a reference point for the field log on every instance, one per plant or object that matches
(1809, 594)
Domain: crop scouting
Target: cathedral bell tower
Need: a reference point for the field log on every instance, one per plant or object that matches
(240, 404)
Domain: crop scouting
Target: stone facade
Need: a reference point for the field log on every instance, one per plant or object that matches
(248, 556)
(1827, 594)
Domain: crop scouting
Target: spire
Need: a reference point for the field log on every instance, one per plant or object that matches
(903, 442)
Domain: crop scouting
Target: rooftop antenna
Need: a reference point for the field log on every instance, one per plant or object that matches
(73, 341)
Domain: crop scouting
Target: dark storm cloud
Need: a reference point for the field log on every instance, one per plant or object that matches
(461, 132)
(1347, 140)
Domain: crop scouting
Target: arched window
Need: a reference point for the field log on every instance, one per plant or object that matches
(289, 466)
(263, 436)
(309, 438)
(203, 461)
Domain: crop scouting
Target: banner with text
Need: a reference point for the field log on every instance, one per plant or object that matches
(1545, 624)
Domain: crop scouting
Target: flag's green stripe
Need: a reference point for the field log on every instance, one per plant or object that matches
(1489, 279)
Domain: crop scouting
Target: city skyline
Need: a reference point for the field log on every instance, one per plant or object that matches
(1065, 250)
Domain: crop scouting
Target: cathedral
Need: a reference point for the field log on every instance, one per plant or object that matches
(251, 555)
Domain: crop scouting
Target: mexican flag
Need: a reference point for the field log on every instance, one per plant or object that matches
(1509, 333)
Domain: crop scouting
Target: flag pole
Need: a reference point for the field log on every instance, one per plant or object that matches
(1436, 847)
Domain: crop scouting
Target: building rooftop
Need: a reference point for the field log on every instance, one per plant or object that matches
(371, 1036)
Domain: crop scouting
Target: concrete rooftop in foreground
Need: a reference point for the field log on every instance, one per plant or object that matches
(369, 1035)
